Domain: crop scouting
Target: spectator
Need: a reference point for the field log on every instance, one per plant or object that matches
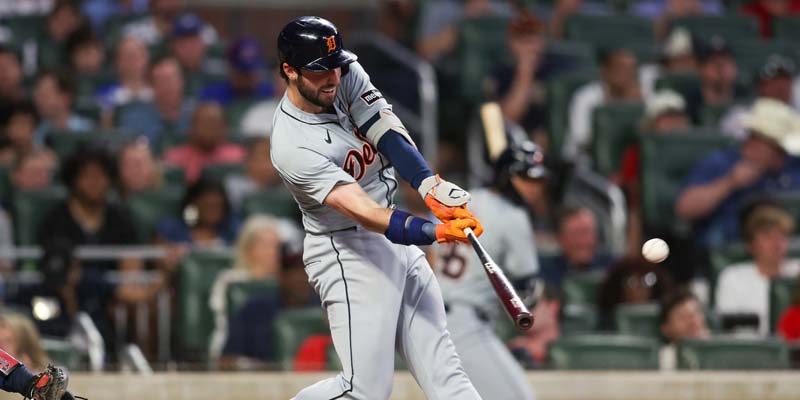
(18, 123)
(789, 323)
(681, 318)
(619, 82)
(86, 53)
(718, 73)
(261, 175)
(207, 143)
(188, 47)
(630, 281)
(765, 162)
(131, 60)
(53, 95)
(766, 10)
(100, 11)
(774, 81)
(19, 336)
(33, 170)
(138, 169)
(664, 11)
(11, 89)
(578, 241)
(87, 217)
(6, 240)
(534, 343)
(676, 57)
(245, 79)
(206, 217)
(61, 23)
(766, 230)
(152, 30)
(257, 120)
(168, 113)
(258, 257)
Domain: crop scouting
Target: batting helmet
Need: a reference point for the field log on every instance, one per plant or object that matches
(314, 44)
(522, 159)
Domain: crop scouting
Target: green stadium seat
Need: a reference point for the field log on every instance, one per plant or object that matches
(663, 177)
(559, 94)
(751, 54)
(223, 170)
(733, 354)
(614, 128)
(710, 116)
(174, 176)
(731, 27)
(581, 53)
(786, 28)
(292, 327)
(64, 143)
(683, 84)
(151, 207)
(29, 210)
(239, 293)
(62, 353)
(88, 108)
(234, 112)
(277, 202)
(638, 319)
(197, 272)
(604, 352)
(579, 318)
(482, 43)
(582, 288)
(608, 30)
(5, 182)
(780, 298)
(26, 27)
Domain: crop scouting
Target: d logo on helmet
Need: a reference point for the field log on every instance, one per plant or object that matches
(331, 42)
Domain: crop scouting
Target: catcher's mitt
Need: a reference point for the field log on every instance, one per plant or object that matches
(50, 385)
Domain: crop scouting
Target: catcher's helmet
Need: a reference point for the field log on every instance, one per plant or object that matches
(522, 159)
(314, 44)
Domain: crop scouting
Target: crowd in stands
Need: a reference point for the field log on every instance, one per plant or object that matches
(134, 122)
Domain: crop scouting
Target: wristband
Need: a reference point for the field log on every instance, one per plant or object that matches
(407, 229)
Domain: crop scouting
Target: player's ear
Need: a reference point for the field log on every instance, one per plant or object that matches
(289, 71)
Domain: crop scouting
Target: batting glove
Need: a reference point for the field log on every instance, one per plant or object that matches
(446, 200)
(453, 230)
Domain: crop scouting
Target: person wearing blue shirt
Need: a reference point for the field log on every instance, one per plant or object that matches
(245, 76)
(765, 163)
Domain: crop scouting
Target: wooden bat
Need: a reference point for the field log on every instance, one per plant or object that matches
(513, 305)
(494, 129)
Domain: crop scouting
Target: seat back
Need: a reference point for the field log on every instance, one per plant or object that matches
(277, 202)
(482, 43)
(733, 354)
(731, 27)
(151, 207)
(292, 327)
(30, 208)
(614, 127)
(582, 288)
(604, 352)
(239, 293)
(780, 298)
(638, 319)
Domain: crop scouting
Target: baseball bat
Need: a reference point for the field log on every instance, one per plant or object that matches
(513, 305)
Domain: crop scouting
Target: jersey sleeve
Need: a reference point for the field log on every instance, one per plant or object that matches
(308, 173)
(521, 260)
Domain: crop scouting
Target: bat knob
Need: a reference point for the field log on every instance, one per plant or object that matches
(524, 322)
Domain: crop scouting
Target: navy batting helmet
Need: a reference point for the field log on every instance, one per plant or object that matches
(314, 44)
(522, 159)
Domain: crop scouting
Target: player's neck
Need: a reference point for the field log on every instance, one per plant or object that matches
(300, 102)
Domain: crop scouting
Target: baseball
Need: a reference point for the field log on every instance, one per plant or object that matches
(655, 250)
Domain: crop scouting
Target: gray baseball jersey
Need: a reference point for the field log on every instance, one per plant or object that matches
(508, 237)
(380, 297)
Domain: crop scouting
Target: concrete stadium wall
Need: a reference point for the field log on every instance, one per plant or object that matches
(554, 385)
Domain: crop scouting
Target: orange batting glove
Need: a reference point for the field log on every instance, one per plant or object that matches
(446, 200)
(453, 230)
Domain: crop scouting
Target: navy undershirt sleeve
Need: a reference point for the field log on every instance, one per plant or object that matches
(404, 157)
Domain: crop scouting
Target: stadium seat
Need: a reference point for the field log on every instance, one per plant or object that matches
(604, 352)
(780, 298)
(62, 353)
(223, 170)
(236, 110)
(292, 327)
(786, 28)
(559, 94)
(609, 30)
(151, 207)
(582, 288)
(751, 54)
(5, 182)
(731, 27)
(64, 143)
(195, 321)
(578, 318)
(482, 42)
(683, 84)
(174, 176)
(30, 208)
(663, 177)
(733, 354)
(614, 127)
(638, 319)
(276, 202)
(239, 293)
(710, 116)
(26, 27)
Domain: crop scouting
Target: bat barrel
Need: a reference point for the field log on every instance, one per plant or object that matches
(524, 321)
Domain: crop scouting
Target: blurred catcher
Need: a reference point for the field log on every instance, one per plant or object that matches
(51, 384)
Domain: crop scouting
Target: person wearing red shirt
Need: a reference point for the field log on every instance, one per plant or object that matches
(766, 10)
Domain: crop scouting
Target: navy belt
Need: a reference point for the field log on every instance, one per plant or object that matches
(350, 228)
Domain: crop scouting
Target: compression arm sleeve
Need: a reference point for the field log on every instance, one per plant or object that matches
(405, 158)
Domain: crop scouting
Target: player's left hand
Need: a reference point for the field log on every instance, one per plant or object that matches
(453, 230)
(446, 200)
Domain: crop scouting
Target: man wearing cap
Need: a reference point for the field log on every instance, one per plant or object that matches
(188, 47)
(154, 29)
(766, 162)
(246, 68)
(717, 70)
(773, 81)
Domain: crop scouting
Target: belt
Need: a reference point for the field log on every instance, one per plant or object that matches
(350, 228)
(482, 315)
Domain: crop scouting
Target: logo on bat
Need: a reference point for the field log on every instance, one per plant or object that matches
(331, 42)
(490, 267)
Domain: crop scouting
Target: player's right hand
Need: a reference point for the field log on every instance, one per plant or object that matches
(453, 230)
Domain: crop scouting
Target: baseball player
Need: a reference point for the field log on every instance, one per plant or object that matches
(470, 301)
(48, 385)
(336, 144)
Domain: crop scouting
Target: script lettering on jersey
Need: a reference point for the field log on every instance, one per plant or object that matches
(356, 162)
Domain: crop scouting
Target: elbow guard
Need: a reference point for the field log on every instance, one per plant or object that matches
(383, 122)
